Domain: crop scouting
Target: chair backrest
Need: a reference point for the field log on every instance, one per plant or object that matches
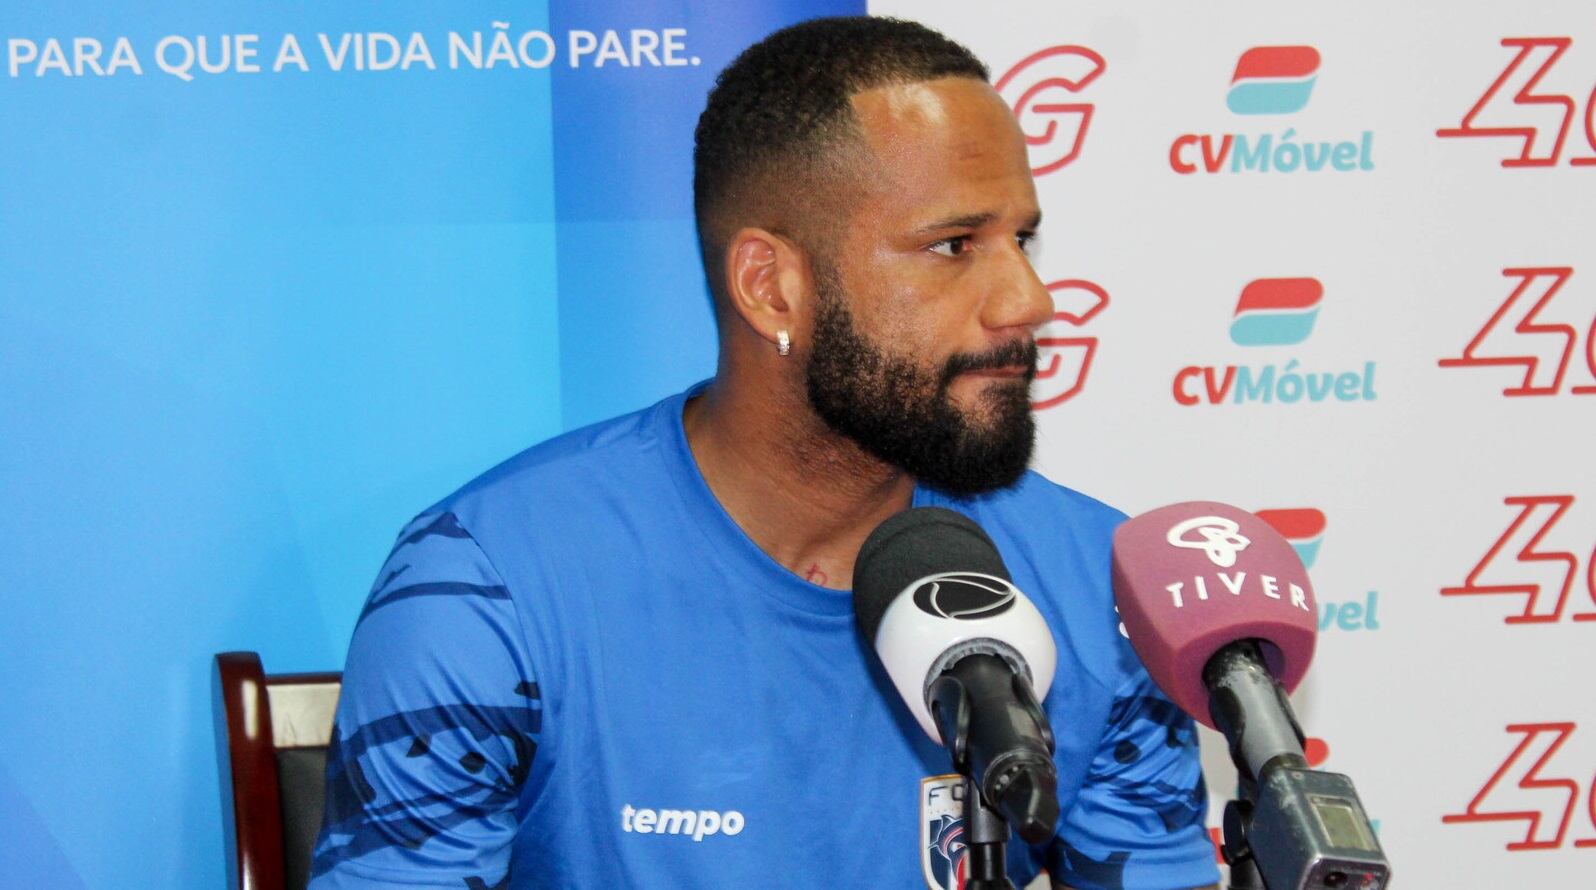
(272, 733)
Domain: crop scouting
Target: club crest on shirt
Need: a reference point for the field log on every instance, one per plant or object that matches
(943, 852)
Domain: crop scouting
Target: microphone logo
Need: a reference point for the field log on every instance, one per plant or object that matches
(964, 596)
(1220, 538)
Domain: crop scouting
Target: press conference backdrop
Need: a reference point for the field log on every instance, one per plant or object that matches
(275, 276)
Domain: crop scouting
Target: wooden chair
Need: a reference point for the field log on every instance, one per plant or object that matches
(272, 733)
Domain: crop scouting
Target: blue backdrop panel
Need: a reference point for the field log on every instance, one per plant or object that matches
(249, 324)
(252, 322)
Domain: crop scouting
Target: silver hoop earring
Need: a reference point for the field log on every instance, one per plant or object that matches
(783, 343)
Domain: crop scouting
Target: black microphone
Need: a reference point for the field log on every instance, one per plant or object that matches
(969, 653)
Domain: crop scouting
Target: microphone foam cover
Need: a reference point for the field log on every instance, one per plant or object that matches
(909, 546)
(1191, 578)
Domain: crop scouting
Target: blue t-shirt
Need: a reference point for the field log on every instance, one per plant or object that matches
(578, 672)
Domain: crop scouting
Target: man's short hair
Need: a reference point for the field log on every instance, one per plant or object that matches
(779, 108)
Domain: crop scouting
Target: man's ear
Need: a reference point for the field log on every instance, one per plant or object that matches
(768, 284)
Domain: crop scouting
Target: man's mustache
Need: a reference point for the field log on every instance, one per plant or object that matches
(1015, 352)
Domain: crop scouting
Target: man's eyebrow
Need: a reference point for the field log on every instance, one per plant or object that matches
(972, 221)
(965, 221)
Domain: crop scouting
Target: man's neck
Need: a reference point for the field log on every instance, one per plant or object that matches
(806, 495)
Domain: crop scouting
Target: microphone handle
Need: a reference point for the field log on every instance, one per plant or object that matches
(1250, 707)
(995, 729)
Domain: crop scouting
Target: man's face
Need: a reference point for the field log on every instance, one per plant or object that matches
(922, 347)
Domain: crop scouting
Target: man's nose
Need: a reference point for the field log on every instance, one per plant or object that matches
(1018, 298)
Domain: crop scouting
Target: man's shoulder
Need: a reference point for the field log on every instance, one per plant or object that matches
(570, 485)
(601, 455)
(1035, 507)
(1077, 506)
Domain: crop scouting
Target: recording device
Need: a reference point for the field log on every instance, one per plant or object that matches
(1218, 605)
(969, 654)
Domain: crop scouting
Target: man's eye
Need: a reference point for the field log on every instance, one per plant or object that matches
(1029, 242)
(952, 247)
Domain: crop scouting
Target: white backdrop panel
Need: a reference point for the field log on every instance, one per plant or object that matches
(1437, 705)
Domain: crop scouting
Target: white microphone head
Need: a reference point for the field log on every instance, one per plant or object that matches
(929, 589)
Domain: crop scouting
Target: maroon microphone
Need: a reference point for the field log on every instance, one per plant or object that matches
(1191, 578)
(1218, 605)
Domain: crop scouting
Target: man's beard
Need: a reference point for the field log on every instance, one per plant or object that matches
(904, 414)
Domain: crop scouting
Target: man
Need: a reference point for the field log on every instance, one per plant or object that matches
(626, 657)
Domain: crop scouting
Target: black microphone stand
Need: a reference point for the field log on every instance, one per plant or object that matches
(1244, 874)
(987, 835)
